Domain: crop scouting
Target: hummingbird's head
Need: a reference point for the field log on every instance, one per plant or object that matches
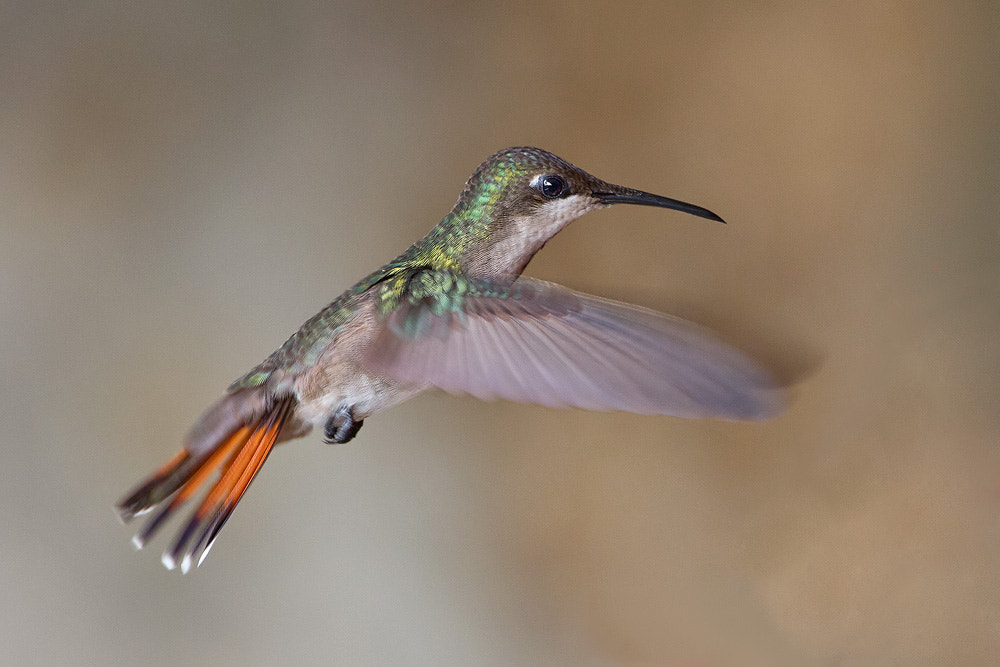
(523, 196)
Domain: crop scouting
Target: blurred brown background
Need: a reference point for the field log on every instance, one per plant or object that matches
(182, 185)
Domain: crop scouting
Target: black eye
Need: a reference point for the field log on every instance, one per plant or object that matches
(552, 186)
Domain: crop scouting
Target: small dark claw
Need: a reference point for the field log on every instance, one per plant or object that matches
(341, 426)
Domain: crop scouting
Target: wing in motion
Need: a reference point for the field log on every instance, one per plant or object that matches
(537, 342)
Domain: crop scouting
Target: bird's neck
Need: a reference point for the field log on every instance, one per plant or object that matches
(491, 242)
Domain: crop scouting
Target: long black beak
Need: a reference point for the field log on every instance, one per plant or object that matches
(630, 196)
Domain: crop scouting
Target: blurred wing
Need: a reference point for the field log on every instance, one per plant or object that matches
(537, 342)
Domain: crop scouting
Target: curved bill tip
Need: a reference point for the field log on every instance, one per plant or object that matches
(629, 196)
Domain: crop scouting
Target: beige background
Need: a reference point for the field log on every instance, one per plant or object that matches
(183, 184)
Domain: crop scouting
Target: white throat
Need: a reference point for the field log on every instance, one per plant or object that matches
(526, 234)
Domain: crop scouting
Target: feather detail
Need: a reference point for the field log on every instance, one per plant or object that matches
(536, 342)
(239, 456)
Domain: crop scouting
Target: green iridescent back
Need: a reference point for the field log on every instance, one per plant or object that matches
(469, 224)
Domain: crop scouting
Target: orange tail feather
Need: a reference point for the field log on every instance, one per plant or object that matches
(243, 452)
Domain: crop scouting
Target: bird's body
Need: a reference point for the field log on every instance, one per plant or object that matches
(452, 313)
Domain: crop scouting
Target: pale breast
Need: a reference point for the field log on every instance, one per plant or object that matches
(340, 378)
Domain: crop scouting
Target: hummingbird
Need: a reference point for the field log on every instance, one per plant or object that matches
(453, 313)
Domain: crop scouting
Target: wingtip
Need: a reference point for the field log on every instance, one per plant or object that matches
(766, 405)
(168, 560)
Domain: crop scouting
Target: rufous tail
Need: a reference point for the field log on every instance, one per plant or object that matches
(238, 453)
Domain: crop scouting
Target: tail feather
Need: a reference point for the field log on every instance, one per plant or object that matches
(267, 441)
(239, 453)
(158, 486)
(209, 462)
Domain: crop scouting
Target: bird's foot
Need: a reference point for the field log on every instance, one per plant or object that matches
(341, 426)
